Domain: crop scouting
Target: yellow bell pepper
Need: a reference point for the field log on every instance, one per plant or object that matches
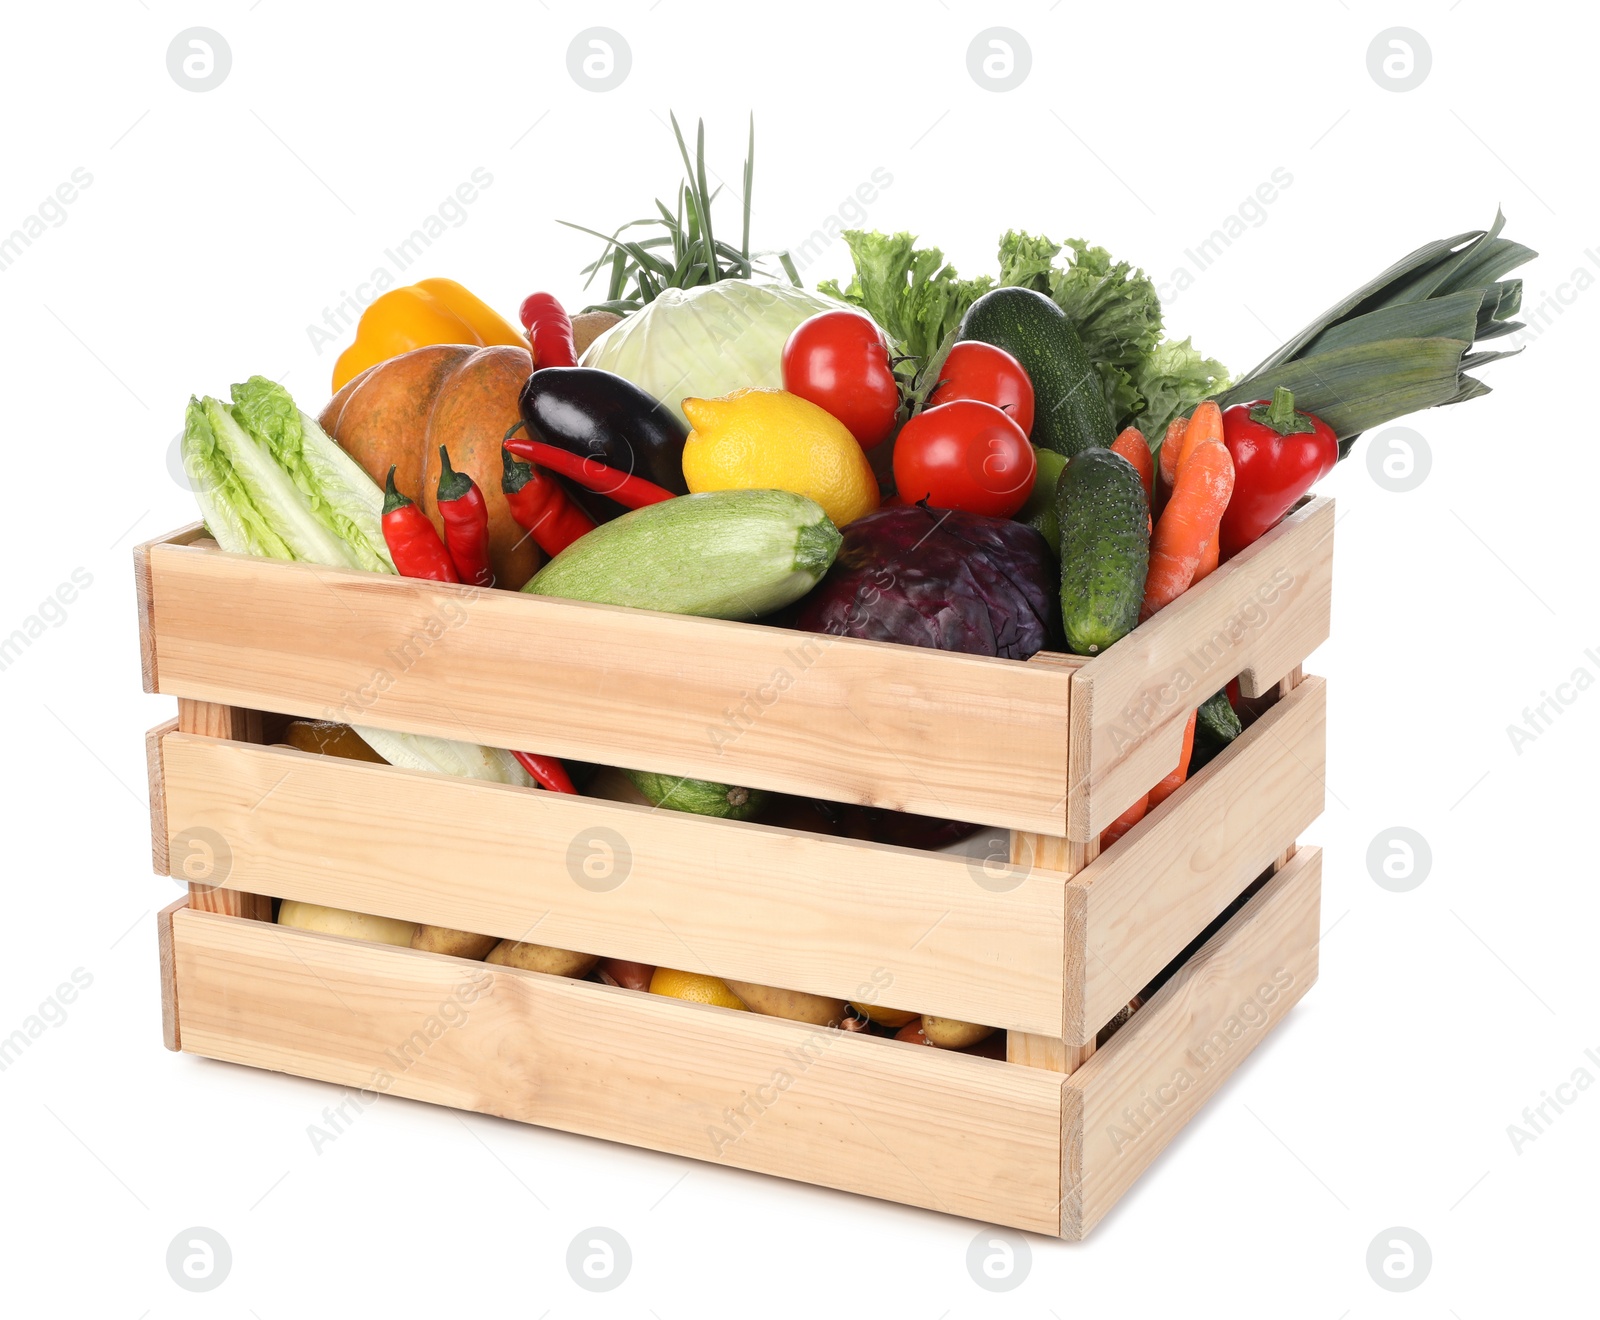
(417, 315)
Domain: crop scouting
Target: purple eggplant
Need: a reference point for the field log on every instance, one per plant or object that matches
(602, 416)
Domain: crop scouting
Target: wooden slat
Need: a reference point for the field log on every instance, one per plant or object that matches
(1169, 876)
(1053, 1050)
(843, 917)
(171, 1037)
(144, 598)
(160, 860)
(1135, 1095)
(924, 1127)
(210, 722)
(969, 737)
(1257, 617)
(1286, 685)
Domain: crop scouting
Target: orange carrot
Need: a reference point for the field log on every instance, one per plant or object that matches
(1171, 444)
(1174, 781)
(1209, 558)
(1204, 427)
(1123, 823)
(1191, 519)
(1132, 445)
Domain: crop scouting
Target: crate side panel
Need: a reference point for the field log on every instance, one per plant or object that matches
(1157, 1071)
(1164, 882)
(969, 737)
(1257, 617)
(757, 903)
(963, 1135)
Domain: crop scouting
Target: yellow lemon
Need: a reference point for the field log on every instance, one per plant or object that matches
(774, 440)
(694, 987)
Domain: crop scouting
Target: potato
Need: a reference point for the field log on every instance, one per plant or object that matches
(589, 326)
(541, 958)
(613, 785)
(885, 1017)
(627, 975)
(796, 1005)
(951, 1034)
(352, 925)
(456, 943)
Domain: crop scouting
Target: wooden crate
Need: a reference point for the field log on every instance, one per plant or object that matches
(1049, 943)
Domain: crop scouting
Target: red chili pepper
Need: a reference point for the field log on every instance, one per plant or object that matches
(547, 772)
(623, 487)
(1278, 455)
(414, 546)
(538, 503)
(549, 331)
(466, 523)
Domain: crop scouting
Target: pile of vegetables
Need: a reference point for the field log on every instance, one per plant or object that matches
(995, 465)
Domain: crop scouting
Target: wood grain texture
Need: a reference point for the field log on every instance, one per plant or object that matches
(924, 1127)
(160, 860)
(1169, 876)
(1127, 1103)
(968, 737)
(1053, 1051)
(1288, 684)
(144, 597)
(171, 1037)
(1256, 618)
(781, 907)
(216, 892)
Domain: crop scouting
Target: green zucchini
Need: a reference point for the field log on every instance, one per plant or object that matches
(1105, 548)
(727, 554)
(700, 796)
(1040, 510)
(1069, 408)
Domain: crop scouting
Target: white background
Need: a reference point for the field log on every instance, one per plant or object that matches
(219, 225)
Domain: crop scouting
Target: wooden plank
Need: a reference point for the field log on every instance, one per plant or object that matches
(1169, 876)
(1052, 1050)
(905, 928)
(160, 860)
(1136, 1094)
(1289, 683)
(144, 597)
(969, 737)
(170, 1035)
(213, 891)
(924, 1127)
(1256, 618)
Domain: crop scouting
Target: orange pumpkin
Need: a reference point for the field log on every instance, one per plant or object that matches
(400, 411)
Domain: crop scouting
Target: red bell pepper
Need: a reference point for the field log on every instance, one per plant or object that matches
(1278, 455)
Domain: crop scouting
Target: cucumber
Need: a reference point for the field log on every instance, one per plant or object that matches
(1069, 408)
(726, 554)
(1040, 510)
(1105, 549)
(700, 796)
(1216, 725)
(1217, 720)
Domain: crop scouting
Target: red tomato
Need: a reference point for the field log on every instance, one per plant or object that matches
(975, 370)
(965, 455)
(840, 362)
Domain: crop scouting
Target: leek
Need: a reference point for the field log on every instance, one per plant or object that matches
(1402, 342)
